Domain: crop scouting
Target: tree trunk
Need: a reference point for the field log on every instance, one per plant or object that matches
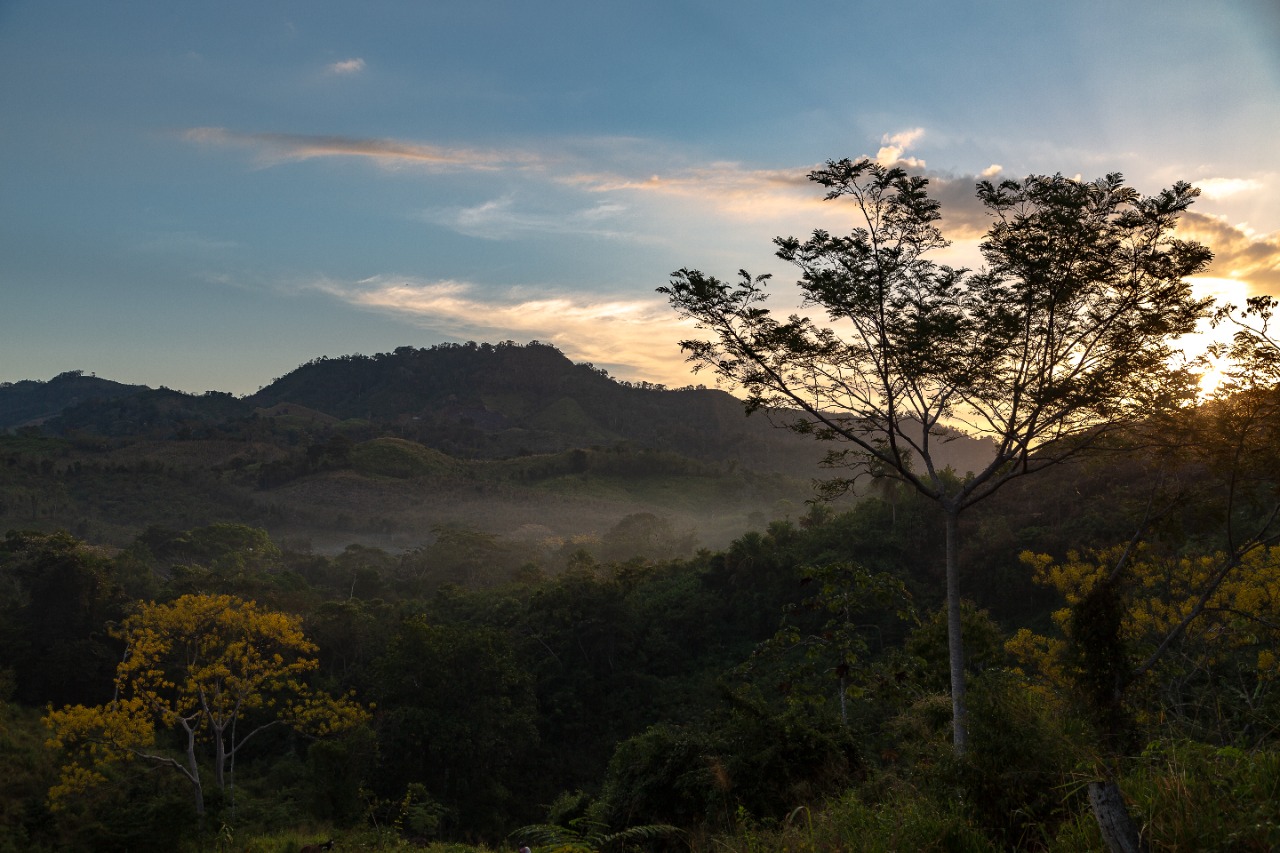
(219, 758)
(955, 642)
(1118, 830)
(193, 769)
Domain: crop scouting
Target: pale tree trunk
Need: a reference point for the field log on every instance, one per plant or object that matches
(219, 757)
(955, 642)
(193, 768)
(1118, 830)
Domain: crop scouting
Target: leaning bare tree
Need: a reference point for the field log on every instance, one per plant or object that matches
(1065, 337)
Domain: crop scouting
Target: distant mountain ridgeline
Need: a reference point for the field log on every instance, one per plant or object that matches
(497, 401)
(477, 401)
(381, 449)
(32, 402)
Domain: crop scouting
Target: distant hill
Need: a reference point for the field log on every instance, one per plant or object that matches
(380, 449)
(496, 401)
(32, 402)
(502, 400)
(469, 401)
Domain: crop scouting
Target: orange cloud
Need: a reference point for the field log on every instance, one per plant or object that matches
(1237, 253)
(273, 148)
(636, 338)
(756, 194)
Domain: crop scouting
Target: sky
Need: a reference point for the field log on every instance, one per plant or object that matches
(206, 195)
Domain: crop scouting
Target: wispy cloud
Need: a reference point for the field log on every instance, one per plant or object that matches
(636, 338)
(728, 188)
(273, 148)
(347, 66)
(502, 218)
(710, 196)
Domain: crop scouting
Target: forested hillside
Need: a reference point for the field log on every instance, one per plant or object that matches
(31, 402)
(479, 688)
(714, 693)
(515, 441)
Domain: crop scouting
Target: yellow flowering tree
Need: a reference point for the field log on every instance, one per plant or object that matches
(1219, 611)
(215, 670)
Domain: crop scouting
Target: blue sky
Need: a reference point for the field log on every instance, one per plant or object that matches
(205, 195)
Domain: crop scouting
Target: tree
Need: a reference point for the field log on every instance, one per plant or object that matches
(1062, 340)
(215, 670)
(459, 717)
(1206, 624)
(57, 593)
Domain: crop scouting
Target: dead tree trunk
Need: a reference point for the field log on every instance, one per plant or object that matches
(1119, 832)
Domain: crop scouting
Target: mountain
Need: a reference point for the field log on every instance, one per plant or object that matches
(503, 400)
(31, 402)
(512, 440)
(497, 401)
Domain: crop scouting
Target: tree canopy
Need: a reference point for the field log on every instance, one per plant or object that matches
(197, 666)
(1063, 338)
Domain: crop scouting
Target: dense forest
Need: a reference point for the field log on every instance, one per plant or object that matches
(211, 686)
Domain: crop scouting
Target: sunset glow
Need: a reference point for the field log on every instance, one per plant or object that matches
(206, 200)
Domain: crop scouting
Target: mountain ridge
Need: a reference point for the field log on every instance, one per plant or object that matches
(384, 449)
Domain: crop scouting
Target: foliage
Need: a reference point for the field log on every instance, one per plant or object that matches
(742, 757)
(458, 718)
(585, 835)
(1112, 625)
(830, 630)
(1193, 796)
(395, 457)
(894, 822)
(60, 592)
(32, 401)
(501, 685)
(1252, 358)
(1065, 331)
(197, 666)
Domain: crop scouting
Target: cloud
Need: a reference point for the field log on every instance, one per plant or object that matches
(1238, 254)
(894, 145)
(728, 189)
(709, 198)
(1219, 188)
(347, 66)
(637, 338)
(501, 219)
(274, 148)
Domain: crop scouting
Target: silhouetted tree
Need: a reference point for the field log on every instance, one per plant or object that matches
(1060, 341)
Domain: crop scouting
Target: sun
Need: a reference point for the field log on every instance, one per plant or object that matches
(1224, 291)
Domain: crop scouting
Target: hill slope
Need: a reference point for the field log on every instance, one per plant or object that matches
(381, 449)
(32, 402)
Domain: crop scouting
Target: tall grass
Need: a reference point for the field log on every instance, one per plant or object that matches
(1193, 796)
